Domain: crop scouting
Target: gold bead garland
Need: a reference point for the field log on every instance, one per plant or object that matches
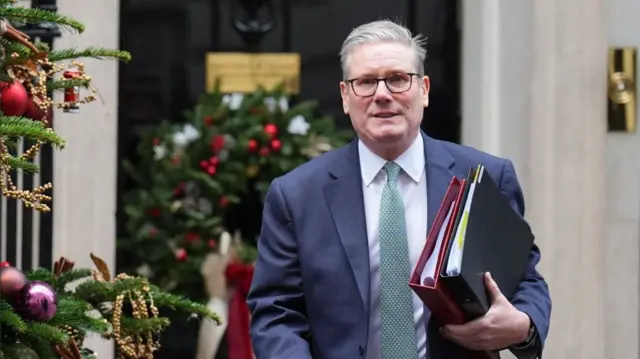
(130, 346)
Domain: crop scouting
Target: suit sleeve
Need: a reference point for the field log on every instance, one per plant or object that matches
(279, 323)
(532, 296)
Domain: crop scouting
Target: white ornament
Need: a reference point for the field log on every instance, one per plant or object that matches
(159, 152)
(281, 104)
(233, 101)
(298, 126)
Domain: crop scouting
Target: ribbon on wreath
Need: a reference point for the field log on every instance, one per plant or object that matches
(239, 277)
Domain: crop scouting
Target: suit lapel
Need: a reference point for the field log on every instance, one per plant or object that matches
(438, 163)
(345, 199)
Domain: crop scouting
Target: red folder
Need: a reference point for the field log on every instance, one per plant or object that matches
(441, 304)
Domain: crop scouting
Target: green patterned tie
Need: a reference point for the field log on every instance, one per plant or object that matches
(397, 333)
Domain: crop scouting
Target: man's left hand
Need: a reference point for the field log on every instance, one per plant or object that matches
(502, 326)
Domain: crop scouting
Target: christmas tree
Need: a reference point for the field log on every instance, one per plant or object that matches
(191, 176)
(47, 313)
(29, 74)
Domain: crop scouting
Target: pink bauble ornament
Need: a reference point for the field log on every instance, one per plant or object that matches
(38, 301)
(13, 98)
(12, 280)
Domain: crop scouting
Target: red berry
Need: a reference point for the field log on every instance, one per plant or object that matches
(252, 145)
(270, 129)
(181, 254)
(276, 144)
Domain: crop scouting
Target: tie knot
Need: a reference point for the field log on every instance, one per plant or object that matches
(393, 169)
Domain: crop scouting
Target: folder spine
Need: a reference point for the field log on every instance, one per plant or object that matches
(464, 296)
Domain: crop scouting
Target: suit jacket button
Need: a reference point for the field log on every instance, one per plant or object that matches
(361, 350)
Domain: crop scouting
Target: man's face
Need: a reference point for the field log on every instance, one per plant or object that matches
(385, 117)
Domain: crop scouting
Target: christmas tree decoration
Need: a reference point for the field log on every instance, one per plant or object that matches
(12, 281)
(29, 74)
(37, 301)
(42, 316)
(13, 98)
(230, 147)
(51, 319)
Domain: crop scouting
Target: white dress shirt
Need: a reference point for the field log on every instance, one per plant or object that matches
(412, 184)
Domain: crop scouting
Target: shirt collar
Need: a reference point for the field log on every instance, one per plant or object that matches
(411, 161)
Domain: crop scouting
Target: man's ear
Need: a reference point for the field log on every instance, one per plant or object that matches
(425, 87)
(344, 92)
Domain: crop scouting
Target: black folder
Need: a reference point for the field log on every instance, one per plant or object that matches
(496, 240)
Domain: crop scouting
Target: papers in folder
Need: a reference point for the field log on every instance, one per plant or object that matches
(454, 262)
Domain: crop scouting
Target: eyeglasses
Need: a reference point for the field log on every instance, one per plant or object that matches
(396, 83)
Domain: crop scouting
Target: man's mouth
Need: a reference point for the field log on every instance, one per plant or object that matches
(385, 114)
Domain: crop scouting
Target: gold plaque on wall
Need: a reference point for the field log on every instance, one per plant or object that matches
(621, 90)
(246, 72)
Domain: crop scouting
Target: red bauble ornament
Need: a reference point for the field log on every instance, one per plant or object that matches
(156, 141)
(192, 237)
(217, 143)
(276, 144)
(264, 152)
(212, 243)
(35, 112)
(12, 281)
(208, 120)
(270, 129)
(181, 254)
(224, 202)
(252, 145)
(13, 98)
(214, 161)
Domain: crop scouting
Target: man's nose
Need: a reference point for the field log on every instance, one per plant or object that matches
(382, 93)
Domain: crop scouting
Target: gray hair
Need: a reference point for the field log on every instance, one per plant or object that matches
(383, 31)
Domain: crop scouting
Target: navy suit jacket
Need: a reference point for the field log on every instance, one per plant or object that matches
(310, 292)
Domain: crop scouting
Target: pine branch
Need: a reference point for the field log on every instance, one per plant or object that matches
(71, 276)
(9, 318)
(33, 15)
(65, 84)
(74, 313)
(11, 47)
(131, 326)
(41, 274)
(26, 166)
(92, 52)
(163, 299)
(30, 129)
(47, 333)
(96, 292)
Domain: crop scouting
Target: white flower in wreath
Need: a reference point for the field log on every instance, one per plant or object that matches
(273, 104)
(187, 135)
(233, 101)
(298, 125)
(159, 152)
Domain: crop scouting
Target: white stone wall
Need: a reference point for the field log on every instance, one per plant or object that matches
(534, 91)
(623, 208)
(85, 171)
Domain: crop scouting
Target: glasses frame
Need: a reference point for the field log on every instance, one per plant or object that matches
(378, 79)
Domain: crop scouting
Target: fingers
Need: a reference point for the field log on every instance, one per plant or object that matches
(469, 329)
(492, 287)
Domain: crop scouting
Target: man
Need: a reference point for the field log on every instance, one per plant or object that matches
(342, 232)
